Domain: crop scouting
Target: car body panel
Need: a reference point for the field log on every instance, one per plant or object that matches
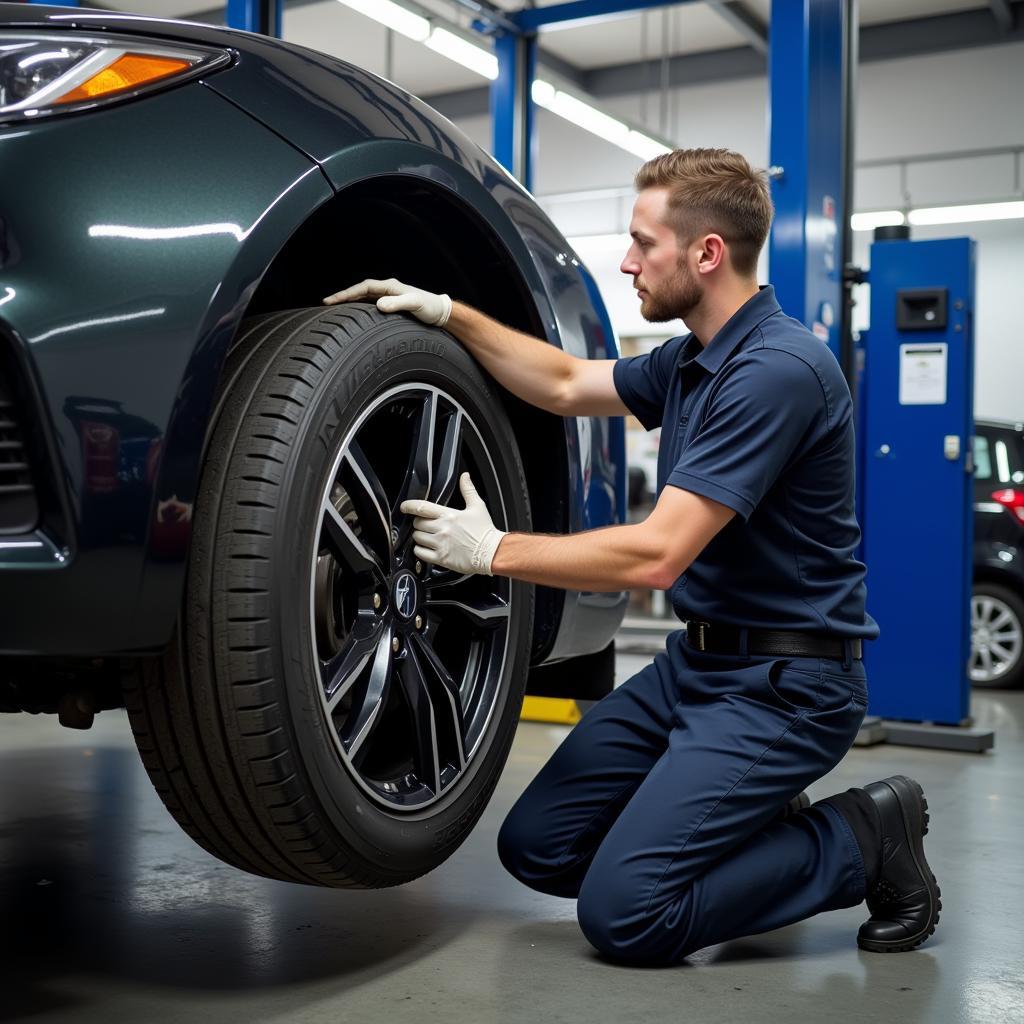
(126, 335)
(998, 534)
(161, 310)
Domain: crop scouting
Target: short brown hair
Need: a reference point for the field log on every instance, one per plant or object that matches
(714, 190)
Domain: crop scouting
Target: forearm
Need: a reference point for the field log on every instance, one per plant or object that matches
(608, 559)
(530, 368)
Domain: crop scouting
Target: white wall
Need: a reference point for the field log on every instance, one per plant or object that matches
(965, 100)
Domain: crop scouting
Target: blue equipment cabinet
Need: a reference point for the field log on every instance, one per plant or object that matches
(917, 466)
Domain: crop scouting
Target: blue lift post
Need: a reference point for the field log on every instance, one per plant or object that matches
(811, 63)
(263, 16)
(512, 107)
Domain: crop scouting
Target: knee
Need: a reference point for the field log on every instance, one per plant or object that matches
(530, 855)
(611, 921)
(620, 925)
(513, 845)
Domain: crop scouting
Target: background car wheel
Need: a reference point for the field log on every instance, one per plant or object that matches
(997, 637)
(332, 710)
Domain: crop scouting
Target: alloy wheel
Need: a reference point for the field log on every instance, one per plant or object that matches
(410, 655)
(997, 641)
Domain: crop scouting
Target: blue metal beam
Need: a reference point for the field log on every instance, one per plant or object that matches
(263, 16)
(747, 24)
(808, 66)
(512, 109)
(585, 10)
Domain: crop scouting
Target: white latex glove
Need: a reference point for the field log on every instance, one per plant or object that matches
(395, 297)
(461, 539)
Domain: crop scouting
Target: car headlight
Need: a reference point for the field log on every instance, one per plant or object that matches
(47, 73)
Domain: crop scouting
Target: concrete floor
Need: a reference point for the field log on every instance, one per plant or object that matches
(109, 912)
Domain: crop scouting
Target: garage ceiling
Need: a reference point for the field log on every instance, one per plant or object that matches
(612, 48)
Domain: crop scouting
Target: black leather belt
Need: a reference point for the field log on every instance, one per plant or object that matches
(722, 639)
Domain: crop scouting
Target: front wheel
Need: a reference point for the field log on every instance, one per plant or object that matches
(333, 710)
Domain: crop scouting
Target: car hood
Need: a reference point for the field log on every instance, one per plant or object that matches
(321, 104)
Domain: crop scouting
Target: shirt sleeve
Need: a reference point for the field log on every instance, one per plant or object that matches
(643, 381)
(768, 410)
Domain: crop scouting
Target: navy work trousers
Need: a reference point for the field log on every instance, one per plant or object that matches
(659, 811)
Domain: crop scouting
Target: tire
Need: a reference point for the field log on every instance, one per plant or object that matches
(997, 637)
(282, 728)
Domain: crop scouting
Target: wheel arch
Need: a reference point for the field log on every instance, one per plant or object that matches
(352, 235)
(1000, 577)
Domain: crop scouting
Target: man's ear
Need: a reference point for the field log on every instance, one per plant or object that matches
(712, 253)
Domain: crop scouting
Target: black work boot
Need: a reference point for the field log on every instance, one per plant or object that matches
(903, 896)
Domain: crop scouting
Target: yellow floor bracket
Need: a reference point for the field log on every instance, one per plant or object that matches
(558, 710)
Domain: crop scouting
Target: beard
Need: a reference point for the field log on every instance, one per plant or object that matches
(676, 300)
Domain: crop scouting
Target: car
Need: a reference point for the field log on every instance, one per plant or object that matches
(201, 464)
(997, 598)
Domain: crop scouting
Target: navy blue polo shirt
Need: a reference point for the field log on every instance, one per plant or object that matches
(761, 420)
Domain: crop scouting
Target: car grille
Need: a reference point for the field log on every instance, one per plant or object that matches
(19, 506)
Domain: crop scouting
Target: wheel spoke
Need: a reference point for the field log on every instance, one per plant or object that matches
(442, 577)
(489, 610)
(369, 499)
(1000, 618)
(451, 451)
(373, 696)
(346, 547)
(431, 663)
(419, 473)
(424, 721)
(343, 669)
(986, 661)
(1002, 651)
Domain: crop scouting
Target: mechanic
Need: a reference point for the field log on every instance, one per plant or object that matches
(674, 812)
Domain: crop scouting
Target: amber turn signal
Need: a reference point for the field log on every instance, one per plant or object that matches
(127, 72)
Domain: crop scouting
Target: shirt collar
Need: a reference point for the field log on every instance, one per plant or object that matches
(755, 310)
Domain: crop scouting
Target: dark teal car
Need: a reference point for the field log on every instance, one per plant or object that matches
(201, 466)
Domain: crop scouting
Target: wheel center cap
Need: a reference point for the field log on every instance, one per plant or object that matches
(405, 595)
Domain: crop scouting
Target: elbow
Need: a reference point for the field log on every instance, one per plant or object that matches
(661, 576)
(560, 402)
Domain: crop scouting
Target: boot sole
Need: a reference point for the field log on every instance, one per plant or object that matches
(915, 819)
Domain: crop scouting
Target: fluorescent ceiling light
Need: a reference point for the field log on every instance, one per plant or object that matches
(483, 62)
(967, 214)
(543, 93)
(585, 116)
(463, 52)
(393, 16)
(589, 118)
(644, 146)
(876, 219)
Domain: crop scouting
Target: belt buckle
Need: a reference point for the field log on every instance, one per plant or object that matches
(702, 628)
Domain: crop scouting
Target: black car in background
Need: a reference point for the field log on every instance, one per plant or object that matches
(997, 599)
